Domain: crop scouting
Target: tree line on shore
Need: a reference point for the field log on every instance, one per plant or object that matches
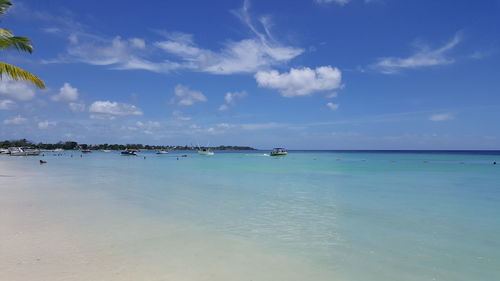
(73, 145)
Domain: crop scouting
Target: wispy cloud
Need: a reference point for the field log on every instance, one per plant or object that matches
(45, 124)
(178, 115)
(259, 51)
(17, 120)
(441, 117)
(186, 97)
(231, 98)
(332, 106)
(340, 2)
(423, 57)
(7, 104)
(301, 81)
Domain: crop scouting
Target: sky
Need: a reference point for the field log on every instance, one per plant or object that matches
(308, 74)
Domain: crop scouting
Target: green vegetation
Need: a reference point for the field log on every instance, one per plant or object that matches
(23, 44)
(72, 145)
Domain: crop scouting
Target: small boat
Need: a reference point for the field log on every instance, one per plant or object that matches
(4, 151)
(161, 152)
(205, 151)
(129, 152)
(21, 151)
(86, 151)
(278, 152)
(106, 150)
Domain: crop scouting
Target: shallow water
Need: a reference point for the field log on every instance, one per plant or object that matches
(360, 215)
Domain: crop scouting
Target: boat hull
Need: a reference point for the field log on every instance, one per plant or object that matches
(279, 154)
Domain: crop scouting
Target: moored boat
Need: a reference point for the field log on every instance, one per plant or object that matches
(279, 151)
(161, 152)
(21, 151)
(205, 151)
(129, 152)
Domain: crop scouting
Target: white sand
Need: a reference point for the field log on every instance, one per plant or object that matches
(51, 232)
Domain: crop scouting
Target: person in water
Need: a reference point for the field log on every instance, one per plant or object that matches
(43, 162)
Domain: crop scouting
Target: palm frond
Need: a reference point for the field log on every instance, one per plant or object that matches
(17, 74)
(5, 32)
(4, 6)
(19, 43)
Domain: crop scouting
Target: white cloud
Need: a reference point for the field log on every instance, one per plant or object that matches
(108, 109)
(7, 104)
(18, 120)
(231, 98)
(423, 57)
(77, 107)
(340, 2)
(66, 94)
(261, 126)
(180, 116)
(302, 81)
(259, 51)
(332, 106)
(46, 124)
(16, 90)
(138, 43)
(441, 117)
(187, 97)
(223, 107)
(331, 95)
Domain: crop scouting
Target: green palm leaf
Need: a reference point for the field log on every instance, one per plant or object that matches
(20, 43)
(17, 74)
(4, 6)
(5, 32)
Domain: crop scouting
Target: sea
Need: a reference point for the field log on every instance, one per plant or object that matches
(243, 215)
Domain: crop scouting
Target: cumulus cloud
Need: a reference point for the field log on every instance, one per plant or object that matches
(7, 104)
(332, 106)
(423, 57)
(187, 97)
(17, 120)
(46, 124)
(66, 94)
(302, 81)
(231, 98)
(110, 110)
(441, 117)
(16, 90)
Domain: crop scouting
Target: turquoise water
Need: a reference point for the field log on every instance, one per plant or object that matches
(364, 215)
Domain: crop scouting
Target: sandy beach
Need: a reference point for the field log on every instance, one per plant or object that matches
(51, 231)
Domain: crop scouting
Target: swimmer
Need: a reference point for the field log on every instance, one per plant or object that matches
(43, 162)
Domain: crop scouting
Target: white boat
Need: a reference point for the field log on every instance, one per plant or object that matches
(205, 151)
(106, 150)
(20, 151)
(129, 152)
(4, 151)
(279, 151)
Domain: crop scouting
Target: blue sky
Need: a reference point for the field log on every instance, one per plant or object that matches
(309, 74)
